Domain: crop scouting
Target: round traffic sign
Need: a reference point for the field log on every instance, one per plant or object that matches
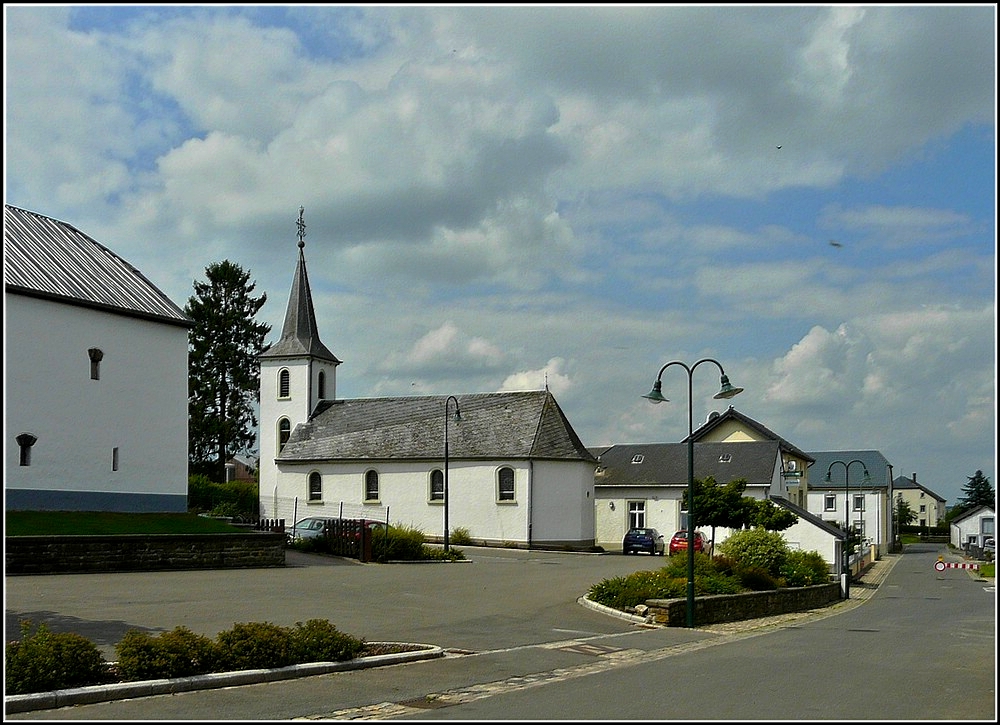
(939, 565)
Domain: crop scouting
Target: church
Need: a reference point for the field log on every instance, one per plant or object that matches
(505, 467)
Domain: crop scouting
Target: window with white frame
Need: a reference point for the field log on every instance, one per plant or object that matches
(437, 486)
(505, 484)
(636, 514)
(371, 485)
(315, 486)
(859, 502)
(830, 502)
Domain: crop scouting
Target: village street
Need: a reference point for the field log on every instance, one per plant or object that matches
(917, 644)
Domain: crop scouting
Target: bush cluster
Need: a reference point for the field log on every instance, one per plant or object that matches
(41, 660)
(395, 543)
(750, 560)
(44, 660)
(238, 499)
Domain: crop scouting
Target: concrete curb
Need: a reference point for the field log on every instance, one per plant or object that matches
(128, 690)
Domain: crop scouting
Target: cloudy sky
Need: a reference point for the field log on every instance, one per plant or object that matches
(504, 198)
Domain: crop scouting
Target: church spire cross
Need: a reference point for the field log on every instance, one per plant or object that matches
(302, 227)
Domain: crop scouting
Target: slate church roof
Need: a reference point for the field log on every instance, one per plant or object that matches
(49, 259)
(493, 426)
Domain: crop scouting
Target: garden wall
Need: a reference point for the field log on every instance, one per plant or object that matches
(142, 552)
(714, 608)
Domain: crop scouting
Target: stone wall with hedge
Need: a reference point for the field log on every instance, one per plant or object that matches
(714, 608)
(142, 552)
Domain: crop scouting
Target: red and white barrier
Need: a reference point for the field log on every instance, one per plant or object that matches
(942, 565)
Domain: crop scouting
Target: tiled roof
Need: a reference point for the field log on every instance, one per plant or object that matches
(902, 482)
(873, 461)
(519, 425)
(665, 464)
(50, 259)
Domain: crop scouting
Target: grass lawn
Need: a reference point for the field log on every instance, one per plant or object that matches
(81, 523)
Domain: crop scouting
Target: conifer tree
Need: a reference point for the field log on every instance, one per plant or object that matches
(223, 372)
(978, 492)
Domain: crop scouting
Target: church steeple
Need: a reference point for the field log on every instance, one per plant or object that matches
(299, 335)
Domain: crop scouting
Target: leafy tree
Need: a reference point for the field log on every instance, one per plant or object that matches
(223, 376)
(769, 516)
(718, 504)
(904, 514)
(978, 492)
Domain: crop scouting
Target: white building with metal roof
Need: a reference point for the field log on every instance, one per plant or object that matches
(95, 378)
(515, 472)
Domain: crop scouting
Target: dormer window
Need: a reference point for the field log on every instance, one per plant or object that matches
(726, 458)
(637, 458)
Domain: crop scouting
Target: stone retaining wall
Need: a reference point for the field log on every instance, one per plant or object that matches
(142, 552)
(714, 608)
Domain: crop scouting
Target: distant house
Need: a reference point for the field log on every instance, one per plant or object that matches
(517, 473)
(972, 527)
(927, 505)
(239, 468)
(96, 376)
(847, 499)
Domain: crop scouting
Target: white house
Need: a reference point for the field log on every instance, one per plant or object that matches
(96, 376)
(972, 527)
(640, 485)
(851, 489)
(516, 472)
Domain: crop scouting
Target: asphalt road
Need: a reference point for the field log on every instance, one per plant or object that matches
(921, 647)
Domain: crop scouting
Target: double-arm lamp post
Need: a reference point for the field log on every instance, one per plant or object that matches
(458, 419)
(656, 396)
(847, 513)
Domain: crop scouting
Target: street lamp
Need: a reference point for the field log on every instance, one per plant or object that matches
(847, 514)
(656, 396)
(458, 419)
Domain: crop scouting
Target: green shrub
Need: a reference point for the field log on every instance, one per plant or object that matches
(757, 579)
(756, 548)
(44, 660)
(232, 498)
(804, 568)
(461, 536)
(399, 543)
(256, 645)
(625, 592)
(177, 653)
(320, 641)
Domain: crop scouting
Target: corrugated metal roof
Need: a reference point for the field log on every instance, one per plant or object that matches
(47, 258)
(518, 425)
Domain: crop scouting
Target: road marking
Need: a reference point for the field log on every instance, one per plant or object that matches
(613, 659)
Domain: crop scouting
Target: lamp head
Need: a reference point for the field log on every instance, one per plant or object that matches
(656, 395)
(727, 391)
(866, 480)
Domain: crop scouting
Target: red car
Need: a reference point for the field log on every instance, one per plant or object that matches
(679, 542)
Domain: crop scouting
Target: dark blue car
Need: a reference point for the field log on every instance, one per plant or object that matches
(643, 539)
